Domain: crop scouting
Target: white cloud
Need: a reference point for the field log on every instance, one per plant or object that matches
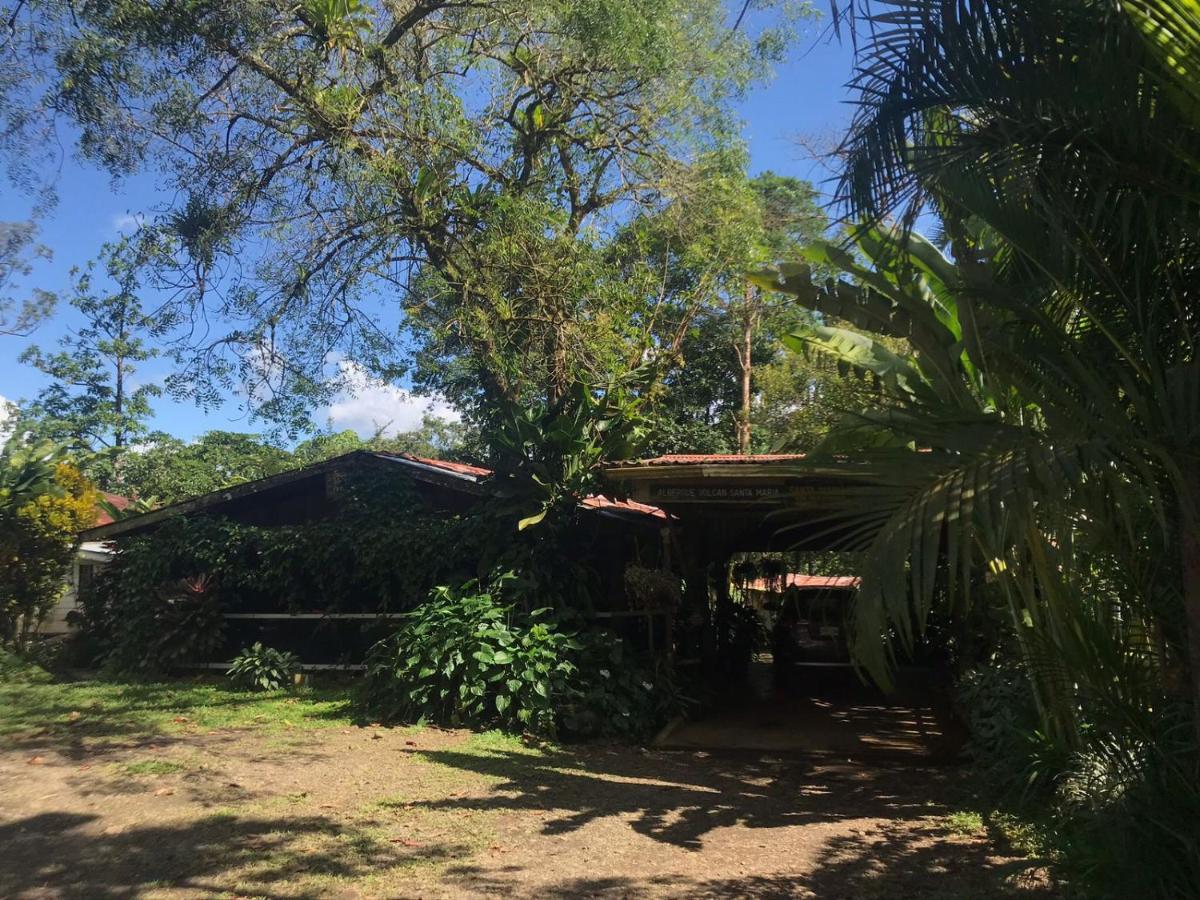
(368, 404)
(126, 223)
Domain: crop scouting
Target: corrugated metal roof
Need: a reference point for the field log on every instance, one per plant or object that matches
(804, 582)
(460, 468)
(599, 501)
(595, 501)
(678, 459)
(102, 516)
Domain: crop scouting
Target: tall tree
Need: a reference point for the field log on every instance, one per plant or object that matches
(710, 327)
(94, 404)
(464, 158)
(1055, 394)
(26, 156)
(1090, 246)
(788, 217)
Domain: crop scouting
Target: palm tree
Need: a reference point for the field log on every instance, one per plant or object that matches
(1058, 147)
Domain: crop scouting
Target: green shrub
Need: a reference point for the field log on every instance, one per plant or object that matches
(1118, 813)
(260, 668)
(468, 657)
(18, 667)
(995, 701)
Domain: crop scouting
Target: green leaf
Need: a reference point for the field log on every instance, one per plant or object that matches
(530, 521)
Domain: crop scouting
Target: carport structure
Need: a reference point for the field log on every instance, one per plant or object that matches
(724, 504)
(721, 505)
(730, 503)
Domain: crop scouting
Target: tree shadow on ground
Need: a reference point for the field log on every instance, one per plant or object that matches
(907, 864)
(63, 855)
(679, 797)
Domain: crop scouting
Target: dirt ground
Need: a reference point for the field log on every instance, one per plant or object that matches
(377, 812)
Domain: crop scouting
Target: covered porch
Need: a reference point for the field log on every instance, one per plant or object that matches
(722, 506)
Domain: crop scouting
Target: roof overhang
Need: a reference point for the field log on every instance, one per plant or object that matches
(457, 477)
(723, 482)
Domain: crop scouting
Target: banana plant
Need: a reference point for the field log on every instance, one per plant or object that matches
(26, 471)
(549, 454)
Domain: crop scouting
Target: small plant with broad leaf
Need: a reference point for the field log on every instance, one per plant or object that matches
(260, 668)
(469, 657)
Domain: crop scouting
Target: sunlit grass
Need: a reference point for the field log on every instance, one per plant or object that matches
(35, 705)
(968, 823)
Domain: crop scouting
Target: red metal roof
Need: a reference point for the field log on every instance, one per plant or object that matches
(102, 516)
(599, 501)
(595, 501)
(804, 582)
(460, 468)
(677, 459)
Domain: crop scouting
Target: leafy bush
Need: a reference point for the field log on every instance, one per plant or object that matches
(260, 668)
(468, 657)
(44, 504)
(1119, 812)
(995, 702)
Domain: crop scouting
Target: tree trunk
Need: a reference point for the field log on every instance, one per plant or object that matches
(746, 359)
(119, 404)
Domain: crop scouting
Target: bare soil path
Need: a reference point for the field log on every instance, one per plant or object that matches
(353, 812)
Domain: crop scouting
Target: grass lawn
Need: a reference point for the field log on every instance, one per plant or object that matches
(194, 790)
(32, 701)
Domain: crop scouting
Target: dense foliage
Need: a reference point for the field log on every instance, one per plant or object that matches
(44, 503)
(470, 656)
(160, 601)
(1052, 390)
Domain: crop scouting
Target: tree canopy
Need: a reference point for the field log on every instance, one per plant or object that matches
(345, 172)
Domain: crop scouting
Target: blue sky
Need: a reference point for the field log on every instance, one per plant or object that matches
(806, 102)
